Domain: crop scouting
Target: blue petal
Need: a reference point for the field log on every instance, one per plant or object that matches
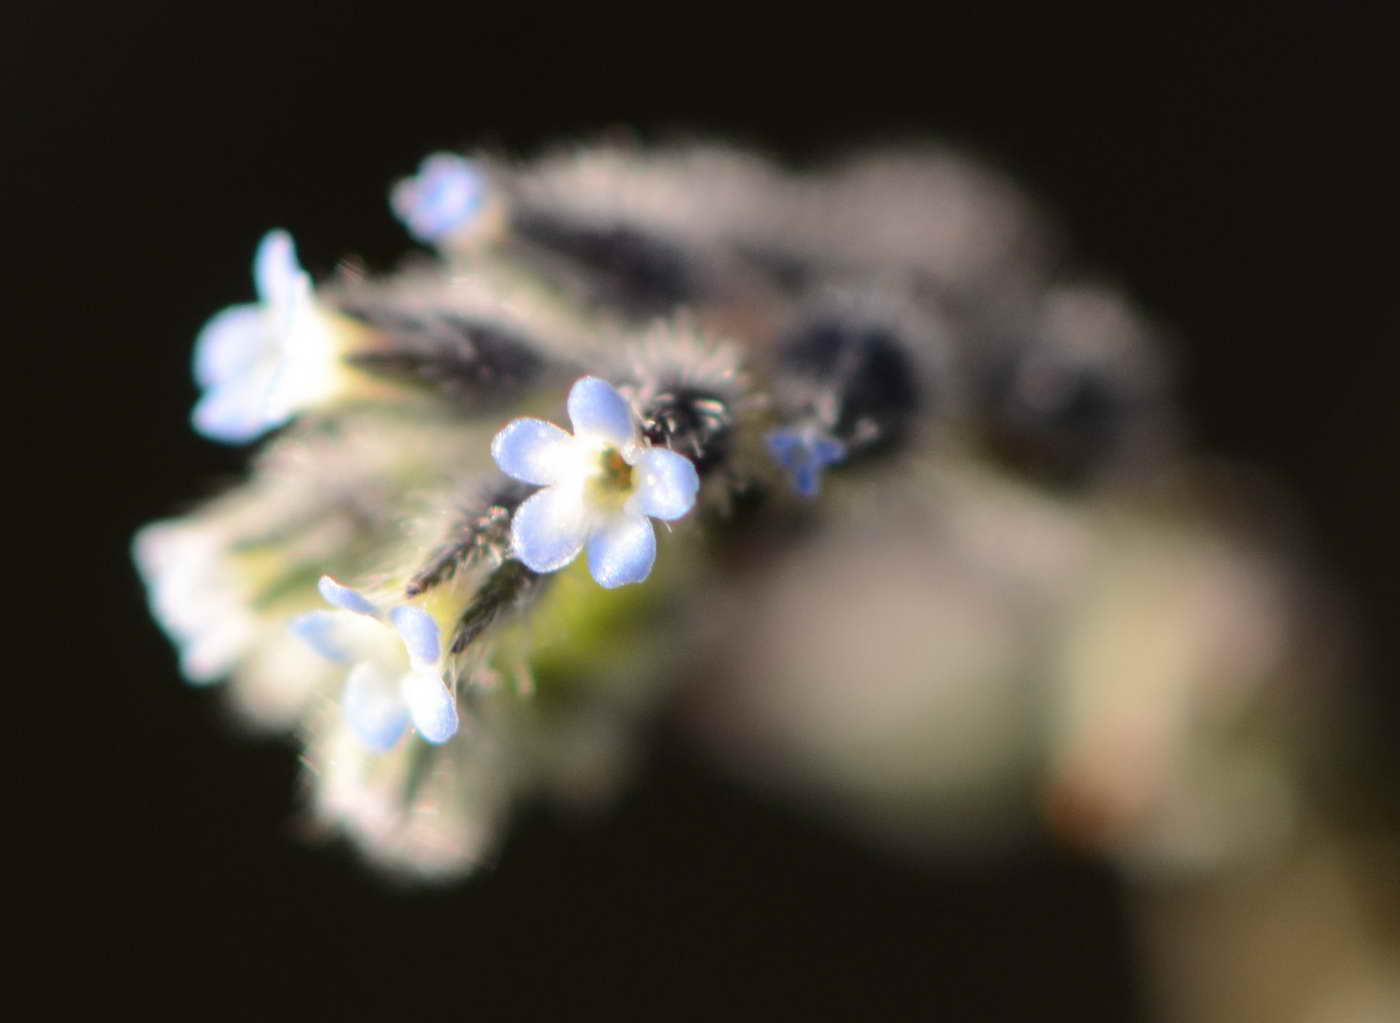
(668, 484)
(623, 552)
(597, 410)
(444, 197)
(276, 272)
(826, 451)
(374, 708)
(229, 344)
(321, 631)
(549, 529)
(532, 450)
(346, 598)
(805, 454)
(432, 707)
(419, 633)
(785, 447)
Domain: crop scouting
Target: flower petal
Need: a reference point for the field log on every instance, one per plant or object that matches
(597, 410)
(276, 272)
(827, 451)
(667, 484)
(345, 598)
(532, 451)
(419, 633)
(623, 552)
(230, 343)
(303, 361)
(321, 630)
(236, 412)
(549, 529)
(215, 650)
(374, 707)
(786, 447)
(431, 706)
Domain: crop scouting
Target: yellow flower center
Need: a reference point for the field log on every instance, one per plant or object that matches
(613, 484)
(617, 474)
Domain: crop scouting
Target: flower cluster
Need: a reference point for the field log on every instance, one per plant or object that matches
(392, 583)
(397, 552)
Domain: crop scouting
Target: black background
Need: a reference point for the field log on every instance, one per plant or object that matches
(1229, 170)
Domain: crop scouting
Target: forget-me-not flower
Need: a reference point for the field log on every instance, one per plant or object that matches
(805, 454)
(600, 484)
(395, 658)
(445, 196)
(260, 364)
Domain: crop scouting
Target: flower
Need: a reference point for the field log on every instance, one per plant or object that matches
(446, 195)
(196, 596)
(431, 812)
(805, 454)
(600, 486)
(394, 675)
(259, 364)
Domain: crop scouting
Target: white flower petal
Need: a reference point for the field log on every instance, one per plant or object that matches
(549, 529)
(229, 345)
(182, 564)
(374, 707)
(345, 598)
(215, 650)
(276, 272)
(597, 410)
(623, 552)
(432, 707)
(533, 451)
(235, 412)
(303, 361)
(419, 633)
(667, 484)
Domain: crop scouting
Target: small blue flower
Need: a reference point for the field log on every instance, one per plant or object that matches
(260, 364)
(446, 195)
(600, 485)
(394, 676)
(805, 454)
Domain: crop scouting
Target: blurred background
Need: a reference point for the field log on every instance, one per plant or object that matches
(1230, 172)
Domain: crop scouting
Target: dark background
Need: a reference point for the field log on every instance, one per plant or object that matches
(1229, 171)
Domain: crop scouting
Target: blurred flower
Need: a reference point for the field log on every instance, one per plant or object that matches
(427, 812)
(600, 486)
(446, 195)
(805, 454)
(394, 657)
(260, 364)
(195, 596)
